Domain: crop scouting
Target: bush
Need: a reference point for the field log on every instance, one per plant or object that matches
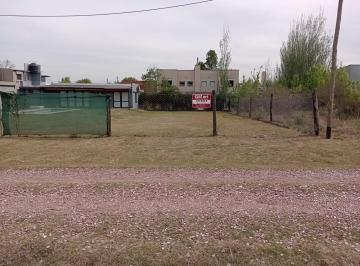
(171, 101)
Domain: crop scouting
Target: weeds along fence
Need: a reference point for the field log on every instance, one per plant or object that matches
(56, 114)
(288, 110)
(171, 102)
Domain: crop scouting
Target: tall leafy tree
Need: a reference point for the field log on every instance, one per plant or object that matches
(307, 47)
(305, 58)
(225, 59)
(211, 60)
(152, 79)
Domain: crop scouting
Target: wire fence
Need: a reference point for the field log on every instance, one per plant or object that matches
(172, 102)
(289, 110)
(55, 114)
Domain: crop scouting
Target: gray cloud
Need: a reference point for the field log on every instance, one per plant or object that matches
(106, 47)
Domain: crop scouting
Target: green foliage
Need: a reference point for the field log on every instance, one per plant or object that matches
(152, 79)
(211, 59)
(129, 79)
(305, 54)
(247, 87)
(202, 65)
(166, 87)
(347, 95)
(65, 80)
(84, 80)
(170, 101)
(315, 77)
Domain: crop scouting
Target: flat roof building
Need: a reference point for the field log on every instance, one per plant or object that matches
(121, 95)
(197, 80)
(354, 72)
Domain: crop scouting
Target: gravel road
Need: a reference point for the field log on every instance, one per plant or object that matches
(177, 213)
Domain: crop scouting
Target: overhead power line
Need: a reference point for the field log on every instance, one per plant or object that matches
(105, 14)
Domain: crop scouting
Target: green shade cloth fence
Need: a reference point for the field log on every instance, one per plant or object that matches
(64, 113)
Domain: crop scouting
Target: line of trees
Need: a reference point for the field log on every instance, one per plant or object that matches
(68, 80)
(308, 63)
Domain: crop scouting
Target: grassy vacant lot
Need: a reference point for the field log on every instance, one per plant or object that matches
(157, 211)
(183, 139)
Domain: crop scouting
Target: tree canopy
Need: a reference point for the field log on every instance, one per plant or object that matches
(152, 79)
(211, 60)
(129, 79)
(84, 80)
(65, 80)
(305, 54)
(202, 65)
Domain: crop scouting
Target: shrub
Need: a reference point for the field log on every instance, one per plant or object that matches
(165, 101)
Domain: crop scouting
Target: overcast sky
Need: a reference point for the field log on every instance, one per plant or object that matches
(107, 47)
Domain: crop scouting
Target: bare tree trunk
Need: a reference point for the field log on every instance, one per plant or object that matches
(316, 113)
(333, 71)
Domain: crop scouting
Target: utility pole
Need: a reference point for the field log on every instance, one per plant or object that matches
(333, 71)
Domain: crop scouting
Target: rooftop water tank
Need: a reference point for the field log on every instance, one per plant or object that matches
(34, 68)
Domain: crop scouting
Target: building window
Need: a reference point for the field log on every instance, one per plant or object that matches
(189, 83)
(212, 83)
(204, 83)
(182, 83)
(18, 76)
(169, 82)
(231, 83)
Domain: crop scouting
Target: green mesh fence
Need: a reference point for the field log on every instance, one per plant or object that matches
(62, 113)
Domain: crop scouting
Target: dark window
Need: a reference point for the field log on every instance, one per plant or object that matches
(18, 76)
(170, 82)
(189, 83)
(182, 83)
(231, 83)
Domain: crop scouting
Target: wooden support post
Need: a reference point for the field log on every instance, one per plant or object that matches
(271, 106)
(250, 107)
(108, 116)
(214, 113)
(316, 113)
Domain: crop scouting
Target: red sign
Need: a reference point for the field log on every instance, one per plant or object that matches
(201, 100)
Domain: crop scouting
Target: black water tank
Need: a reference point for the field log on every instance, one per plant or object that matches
(34, 68)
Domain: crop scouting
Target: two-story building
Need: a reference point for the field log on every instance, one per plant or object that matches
(197, 80)
(12, 79)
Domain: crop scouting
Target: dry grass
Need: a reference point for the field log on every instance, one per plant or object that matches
(182, 139)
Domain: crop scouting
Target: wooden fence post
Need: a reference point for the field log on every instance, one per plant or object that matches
(316, 113)
(250, 106)
(108, 116)
(271, 107)
(214, 113)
